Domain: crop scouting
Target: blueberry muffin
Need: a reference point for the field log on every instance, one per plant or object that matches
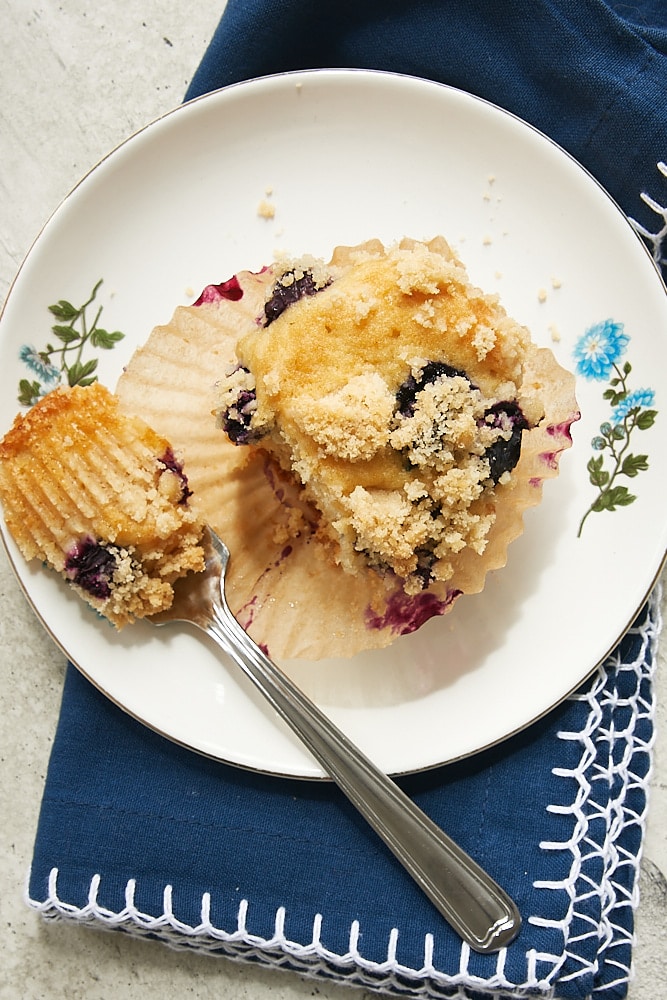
(394, 391)
(102, 499)
(365, 434)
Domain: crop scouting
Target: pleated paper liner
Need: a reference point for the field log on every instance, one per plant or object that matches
(283, 583)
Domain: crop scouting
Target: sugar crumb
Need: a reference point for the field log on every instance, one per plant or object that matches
(487, 241)
(555, 333)
(542, 295)
(266, 210)
(556, 283)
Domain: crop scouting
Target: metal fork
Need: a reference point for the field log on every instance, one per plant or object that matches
(466, 896)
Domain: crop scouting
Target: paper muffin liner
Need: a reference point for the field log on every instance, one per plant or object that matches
(283, 584)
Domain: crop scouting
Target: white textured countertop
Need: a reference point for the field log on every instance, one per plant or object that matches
(76, 80)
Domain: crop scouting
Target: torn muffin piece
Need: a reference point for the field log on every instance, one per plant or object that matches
(102, 499)
(398, 395)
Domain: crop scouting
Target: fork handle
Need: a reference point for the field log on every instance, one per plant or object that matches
(466, 896)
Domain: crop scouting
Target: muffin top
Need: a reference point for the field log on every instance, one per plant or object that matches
(379, 311)
(392, 388)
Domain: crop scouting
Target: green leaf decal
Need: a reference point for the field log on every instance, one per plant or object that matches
(618, 496)
(646, 419)
(633, 465)
(64, 361)
(64, 310)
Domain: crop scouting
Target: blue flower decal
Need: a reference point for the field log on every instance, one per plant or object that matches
(598, 350)
(633, 401)
(598, 353)
(39, 363)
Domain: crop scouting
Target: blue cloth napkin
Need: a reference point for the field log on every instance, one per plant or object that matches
(138, 834)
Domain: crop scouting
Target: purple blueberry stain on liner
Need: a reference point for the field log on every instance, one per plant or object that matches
(405, 613)
(246, 613)
(229, 289)
(563, 429)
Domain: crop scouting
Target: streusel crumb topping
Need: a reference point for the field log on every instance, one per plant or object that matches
(391, 387)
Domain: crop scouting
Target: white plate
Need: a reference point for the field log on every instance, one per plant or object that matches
(347, 155)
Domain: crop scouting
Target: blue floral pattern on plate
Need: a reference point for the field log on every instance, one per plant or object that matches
(598, 354)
